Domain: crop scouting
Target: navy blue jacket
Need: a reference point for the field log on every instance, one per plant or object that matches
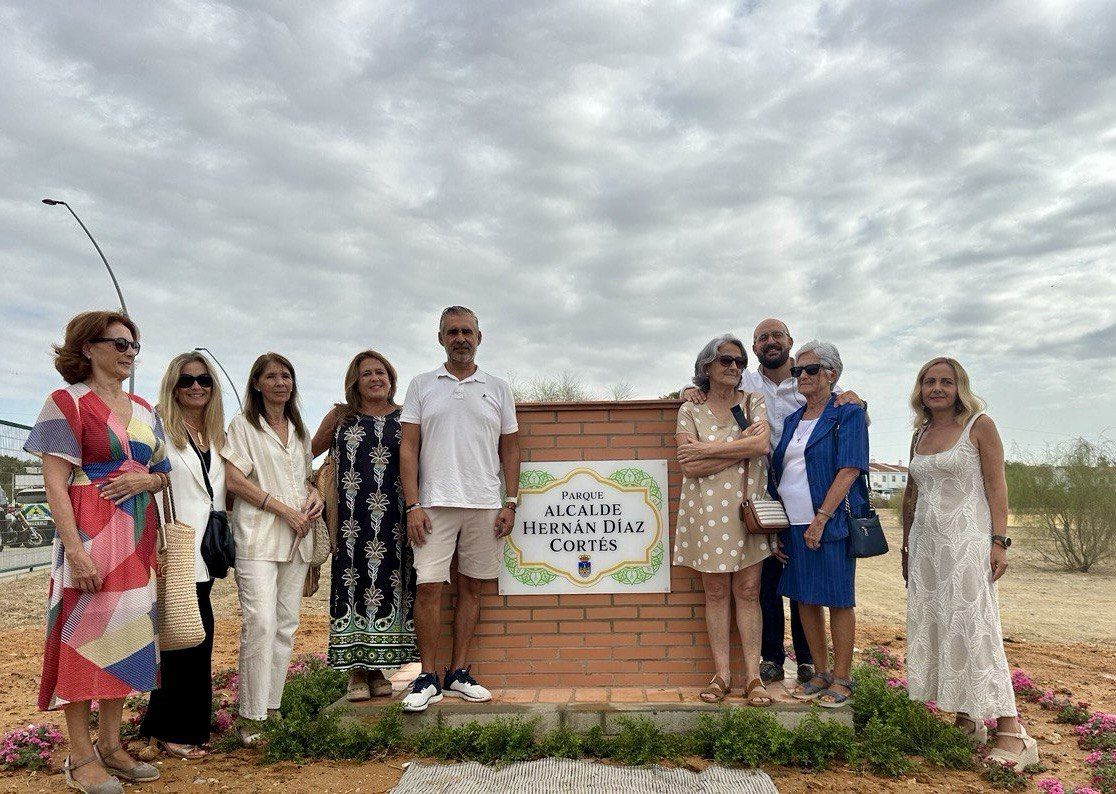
(839, 440)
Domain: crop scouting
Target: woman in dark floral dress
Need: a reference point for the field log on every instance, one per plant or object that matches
(373, 579)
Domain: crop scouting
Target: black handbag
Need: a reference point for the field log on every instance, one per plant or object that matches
(866, 536)
(218, 550)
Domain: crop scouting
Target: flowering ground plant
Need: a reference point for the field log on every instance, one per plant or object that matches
(881, 657)
(30, 747)
(1098, 732)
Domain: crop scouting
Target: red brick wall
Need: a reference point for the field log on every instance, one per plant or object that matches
(623, 639)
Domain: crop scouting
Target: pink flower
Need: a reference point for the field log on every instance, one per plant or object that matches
(1050, 786)
(932, 706)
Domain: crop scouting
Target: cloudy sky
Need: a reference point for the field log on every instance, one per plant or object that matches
(608, 184)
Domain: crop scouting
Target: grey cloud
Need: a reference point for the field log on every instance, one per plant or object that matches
(607, 185)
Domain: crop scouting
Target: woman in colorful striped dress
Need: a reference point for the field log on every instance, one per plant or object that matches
(103, 452)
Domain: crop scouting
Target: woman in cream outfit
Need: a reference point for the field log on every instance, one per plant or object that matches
(269, 452)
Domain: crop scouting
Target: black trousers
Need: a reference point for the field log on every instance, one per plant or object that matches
(180, 710)
(771, 605)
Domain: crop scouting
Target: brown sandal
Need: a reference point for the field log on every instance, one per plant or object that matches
(716, 691)
(759, 701)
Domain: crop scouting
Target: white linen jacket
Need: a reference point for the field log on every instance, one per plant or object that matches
(191, 500)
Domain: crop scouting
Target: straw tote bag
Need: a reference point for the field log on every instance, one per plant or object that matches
(179, 618)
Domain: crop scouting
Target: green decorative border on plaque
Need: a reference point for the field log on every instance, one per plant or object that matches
(638, 478)
(534, 478)
(530, 576)
(538, 576)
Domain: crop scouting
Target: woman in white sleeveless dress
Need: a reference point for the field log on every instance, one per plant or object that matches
(954, 549)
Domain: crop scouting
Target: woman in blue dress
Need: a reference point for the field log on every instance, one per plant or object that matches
(818, 463)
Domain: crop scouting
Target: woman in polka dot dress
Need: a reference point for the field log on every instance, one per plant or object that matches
(710, 537)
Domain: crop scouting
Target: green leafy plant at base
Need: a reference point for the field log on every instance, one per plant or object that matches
(1073, 713)
(880, 748)
(889, 728)
(1005, 776)
(814, 744)
(307, 693)
(738, 736)
(921, 732)
(325, 735)
(499, 742)
(638, 742)
(560, 743)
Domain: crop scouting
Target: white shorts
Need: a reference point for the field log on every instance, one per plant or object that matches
(469, 531)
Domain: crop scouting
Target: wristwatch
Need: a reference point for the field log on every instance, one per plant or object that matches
(512, 502)
(411, 507)
(1003, 541)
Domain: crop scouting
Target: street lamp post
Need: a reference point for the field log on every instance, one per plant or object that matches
(217, 361)
(115, 283)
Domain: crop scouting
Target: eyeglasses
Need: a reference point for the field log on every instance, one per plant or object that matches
(728, 361)
(119, 342)
(186, 381)
(809, 369)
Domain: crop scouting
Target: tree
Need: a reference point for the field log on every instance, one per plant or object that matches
(567, 388)
(10, 465)
(1073, 494)
(621, 390)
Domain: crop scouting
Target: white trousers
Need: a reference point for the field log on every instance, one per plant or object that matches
(270, 596)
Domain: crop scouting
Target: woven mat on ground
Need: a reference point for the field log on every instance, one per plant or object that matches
(554, 775)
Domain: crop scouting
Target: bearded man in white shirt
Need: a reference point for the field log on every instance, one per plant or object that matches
(459, 436)
(772, 343)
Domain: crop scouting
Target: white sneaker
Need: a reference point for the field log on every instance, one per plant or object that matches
(460, 684)
(424, 691)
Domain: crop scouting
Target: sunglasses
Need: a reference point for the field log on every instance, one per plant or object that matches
(809, 369)
(186, 381)
(728, 361)
(120, 343)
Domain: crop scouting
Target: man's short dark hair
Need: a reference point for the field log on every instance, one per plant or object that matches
(458, 310)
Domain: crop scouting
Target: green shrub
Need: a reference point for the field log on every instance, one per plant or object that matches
(1005, 776)
(921, 731)
(560, 743)
(813, 744)
(307, 693)
(639, 742)
(324, 735)
(880, 748)
(499, 742)
(740, 736)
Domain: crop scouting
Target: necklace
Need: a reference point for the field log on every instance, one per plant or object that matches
(801, 433)
(201, 437)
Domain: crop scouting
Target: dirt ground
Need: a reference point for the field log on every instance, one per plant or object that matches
(1058, 627)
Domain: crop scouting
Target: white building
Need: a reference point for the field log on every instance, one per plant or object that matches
(885, 479)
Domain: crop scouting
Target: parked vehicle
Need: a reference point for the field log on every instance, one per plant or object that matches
(34, 515)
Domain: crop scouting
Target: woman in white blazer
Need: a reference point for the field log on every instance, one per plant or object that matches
(178, 714)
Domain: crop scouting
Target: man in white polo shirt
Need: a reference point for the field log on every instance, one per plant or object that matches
(459, 436)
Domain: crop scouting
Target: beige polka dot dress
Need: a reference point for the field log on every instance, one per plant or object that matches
(709, 536)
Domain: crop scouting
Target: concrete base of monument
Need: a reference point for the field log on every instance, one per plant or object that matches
(580, 709)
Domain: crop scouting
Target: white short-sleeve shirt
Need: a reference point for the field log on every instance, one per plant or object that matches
(460, 422)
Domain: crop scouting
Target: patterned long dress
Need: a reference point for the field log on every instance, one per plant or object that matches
(103, 645)
(372, 591)
(955, 646)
